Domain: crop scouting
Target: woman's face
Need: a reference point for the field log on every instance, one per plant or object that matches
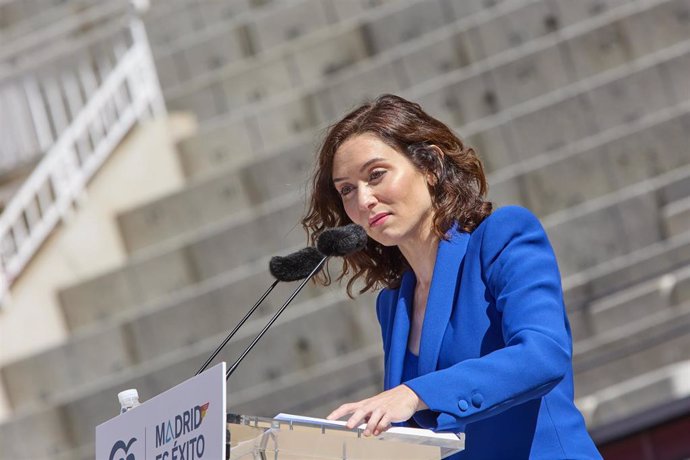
(382, 190)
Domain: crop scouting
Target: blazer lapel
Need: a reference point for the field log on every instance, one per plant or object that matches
(401, 331)
(442, 295)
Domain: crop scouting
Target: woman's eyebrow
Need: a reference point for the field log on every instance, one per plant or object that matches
(362, 168)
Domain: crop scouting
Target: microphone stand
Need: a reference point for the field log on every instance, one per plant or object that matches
(234, 331)
(274, 318)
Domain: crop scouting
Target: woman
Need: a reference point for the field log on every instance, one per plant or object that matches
(474, 329)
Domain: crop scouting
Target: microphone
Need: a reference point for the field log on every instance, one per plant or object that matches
(342, 241)
(338, 241)
(293, 267)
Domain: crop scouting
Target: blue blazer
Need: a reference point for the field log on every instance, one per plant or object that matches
(495, 352)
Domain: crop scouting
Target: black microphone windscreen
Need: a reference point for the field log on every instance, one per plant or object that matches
(342, 241)
(295, 266)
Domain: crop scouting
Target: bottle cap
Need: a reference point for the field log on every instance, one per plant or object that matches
(127, 397)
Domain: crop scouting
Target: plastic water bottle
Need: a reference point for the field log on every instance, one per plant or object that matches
(129, 399)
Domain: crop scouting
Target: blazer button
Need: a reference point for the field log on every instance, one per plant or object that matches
(462, 404)
(477, 400)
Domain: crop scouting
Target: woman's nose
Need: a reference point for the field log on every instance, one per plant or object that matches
(366, 198)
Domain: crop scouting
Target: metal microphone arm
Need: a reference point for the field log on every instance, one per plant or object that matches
(274, 318)
(234, 331)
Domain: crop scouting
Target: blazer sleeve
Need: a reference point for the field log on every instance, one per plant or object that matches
(521, 274)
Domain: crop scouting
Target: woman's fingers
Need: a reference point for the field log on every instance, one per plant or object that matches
(358, 417)
(373, 422)
(394, 405)
(384, 425)
(345, 409)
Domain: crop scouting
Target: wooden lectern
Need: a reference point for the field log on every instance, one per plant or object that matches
(189, 422)
(265, 438)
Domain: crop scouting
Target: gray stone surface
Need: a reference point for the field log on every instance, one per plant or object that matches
(677, 72)
(353, 8)
(195, 206)
(293, 344)
(38, 435)
(672, 140)
(256, 82)
(633, 221)
(368, 83)
(628, 306)
(496, 147)
(514, 29)
(34, 381)
(436, 58)
(660, 340)
(573, 12)
(639, 398)
(210, 55)
(186, 321)
(283, 122)
(287, 172)
(559, 185)
(506, 191)
(214, 12)
(223, 145)
(169, 72)
(445, 101)
(318, 390)
(248, 241)
(668, 23)
(329, 56)
(633, 158)
(677, 217)
(166, 311)
(599, 50)
(532, 76)
(627, 99)
(205, 103)
(665, 256)
(675, 187)
(640, 221)
(552, 127)
(154, 276)
(405, 24)
(137, 282)
(288, 22)
(461, 10)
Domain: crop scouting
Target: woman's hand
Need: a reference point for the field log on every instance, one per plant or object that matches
(395, 405)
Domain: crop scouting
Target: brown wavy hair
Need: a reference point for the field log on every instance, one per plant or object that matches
(457, 192)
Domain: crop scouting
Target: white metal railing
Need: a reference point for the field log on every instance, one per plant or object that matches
(75, 104)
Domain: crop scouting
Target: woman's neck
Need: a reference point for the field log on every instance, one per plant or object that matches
(420, 253)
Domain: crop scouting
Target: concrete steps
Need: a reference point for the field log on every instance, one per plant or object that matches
(145, 333)
(639, 347)
(630, 350)
(291, 346)
(272, 123)
(580, 110)
(608, 160)
(243, 238)
(230, 244)
(637, 394)
(291, 53)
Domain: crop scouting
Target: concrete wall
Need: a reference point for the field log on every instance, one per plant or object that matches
(144, 167)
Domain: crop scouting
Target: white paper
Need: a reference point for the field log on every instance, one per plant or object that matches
(396, 430)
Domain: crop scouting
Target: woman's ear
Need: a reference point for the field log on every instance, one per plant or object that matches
(436, 173)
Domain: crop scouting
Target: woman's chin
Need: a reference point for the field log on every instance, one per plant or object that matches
(384, 238)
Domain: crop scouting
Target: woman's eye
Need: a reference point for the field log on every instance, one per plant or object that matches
(376, 174)
(345, 190)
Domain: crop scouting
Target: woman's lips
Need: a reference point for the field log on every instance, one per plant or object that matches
(378, 219)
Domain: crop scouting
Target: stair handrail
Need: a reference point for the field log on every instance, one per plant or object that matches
(125, 90)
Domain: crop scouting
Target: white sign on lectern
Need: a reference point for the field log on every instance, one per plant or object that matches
(185, 422)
